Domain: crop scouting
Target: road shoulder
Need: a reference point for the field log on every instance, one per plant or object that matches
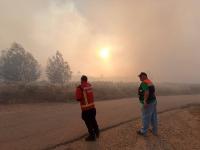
(178, 129)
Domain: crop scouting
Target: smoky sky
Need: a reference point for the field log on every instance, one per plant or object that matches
(158, 37)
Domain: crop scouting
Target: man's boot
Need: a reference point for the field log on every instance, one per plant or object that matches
(97, 134)
(90, 138)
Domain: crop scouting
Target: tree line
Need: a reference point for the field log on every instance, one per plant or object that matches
(17, 64)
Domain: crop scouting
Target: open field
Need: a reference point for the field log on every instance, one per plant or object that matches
(47, 126)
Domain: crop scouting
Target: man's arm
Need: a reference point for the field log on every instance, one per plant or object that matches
(78, 94)
(146, 95)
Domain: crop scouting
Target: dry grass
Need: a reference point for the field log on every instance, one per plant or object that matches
(12, 93)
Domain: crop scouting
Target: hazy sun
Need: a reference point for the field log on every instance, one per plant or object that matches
(104, 53)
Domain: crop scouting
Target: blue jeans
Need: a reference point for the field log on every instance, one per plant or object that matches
(149, 115)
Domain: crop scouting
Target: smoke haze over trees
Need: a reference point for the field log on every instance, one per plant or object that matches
(58, 70)
(18, 65)
(158, 37)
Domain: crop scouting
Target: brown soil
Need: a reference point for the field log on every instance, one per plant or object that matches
(178, 129)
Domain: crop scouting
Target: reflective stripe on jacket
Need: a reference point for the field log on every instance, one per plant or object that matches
(84, 94)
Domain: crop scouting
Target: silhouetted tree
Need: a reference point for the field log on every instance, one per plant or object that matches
(58, 70)
(18, 65)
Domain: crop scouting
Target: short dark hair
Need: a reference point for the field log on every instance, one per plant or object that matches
(142, 74)
(84, 78)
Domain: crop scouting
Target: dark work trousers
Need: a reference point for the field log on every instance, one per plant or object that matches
(89, 116)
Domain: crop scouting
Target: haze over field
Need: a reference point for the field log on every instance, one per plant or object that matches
(113, 38)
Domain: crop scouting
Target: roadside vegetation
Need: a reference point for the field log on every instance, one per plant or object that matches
(39, 92)
(20, 81)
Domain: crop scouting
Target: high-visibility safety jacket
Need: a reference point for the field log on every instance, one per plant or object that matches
(147, 85)
(84, 95)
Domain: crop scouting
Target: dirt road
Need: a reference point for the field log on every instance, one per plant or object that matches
(43, 126)
(179, 129)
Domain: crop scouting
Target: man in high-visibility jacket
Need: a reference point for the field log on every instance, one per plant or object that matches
(84, 95)
(148, 102)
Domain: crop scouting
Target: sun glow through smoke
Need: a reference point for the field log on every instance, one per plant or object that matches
(104, 53)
